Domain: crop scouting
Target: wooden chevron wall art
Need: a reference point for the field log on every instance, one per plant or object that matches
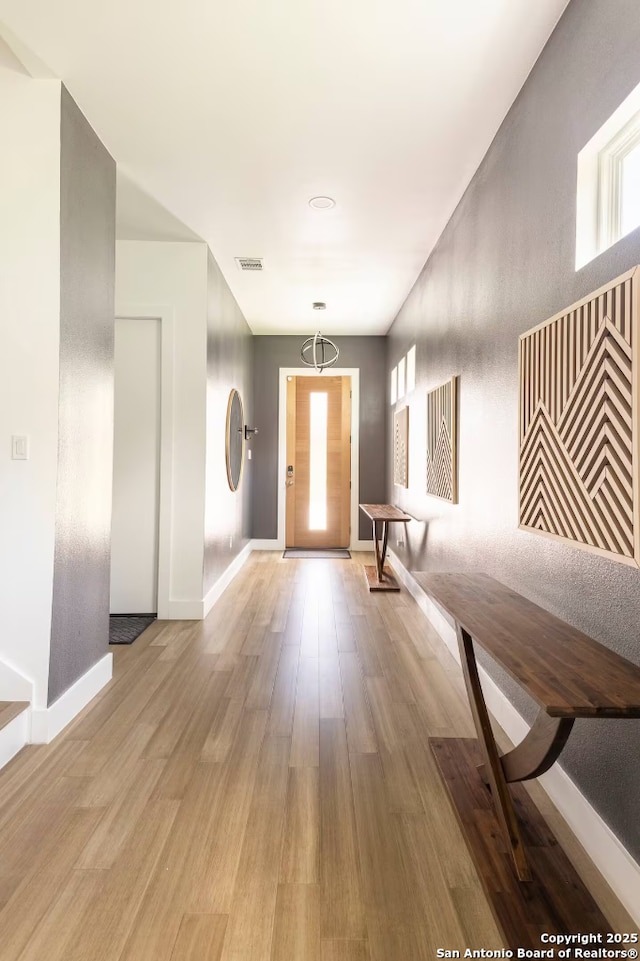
(442, 431)
(401, 447)
(578, 375)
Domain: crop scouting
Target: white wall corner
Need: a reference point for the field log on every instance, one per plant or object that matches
(14, 686)
(35, 67)
(225, 579)
(607, 852)
(46, 723)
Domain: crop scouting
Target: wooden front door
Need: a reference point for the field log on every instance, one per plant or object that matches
(318, 461)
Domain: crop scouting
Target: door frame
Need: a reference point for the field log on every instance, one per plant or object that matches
(354, 374)
(165, 520)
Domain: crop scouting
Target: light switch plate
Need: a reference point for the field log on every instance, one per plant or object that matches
(19, 447)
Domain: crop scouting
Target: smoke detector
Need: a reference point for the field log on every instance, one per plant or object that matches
(249, 263)
(322, 203)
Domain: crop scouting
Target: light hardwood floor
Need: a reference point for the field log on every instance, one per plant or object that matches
(254, 787)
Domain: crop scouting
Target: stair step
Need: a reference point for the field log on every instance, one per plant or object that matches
(11, 709)
(14, 729)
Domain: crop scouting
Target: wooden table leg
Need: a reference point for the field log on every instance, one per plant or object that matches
(539, 749)
(379, 564)
(381, 555)
(385, 538)
(377, 578)
(493, 766)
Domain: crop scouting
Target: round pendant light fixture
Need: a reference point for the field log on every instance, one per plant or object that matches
(319, 352)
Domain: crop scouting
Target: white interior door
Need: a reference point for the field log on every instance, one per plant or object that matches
(136, 466)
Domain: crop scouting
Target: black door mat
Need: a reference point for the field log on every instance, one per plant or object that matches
(124, 628)
(322, 553)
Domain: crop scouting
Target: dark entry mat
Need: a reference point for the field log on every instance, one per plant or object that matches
(124, 628)
(324, 553)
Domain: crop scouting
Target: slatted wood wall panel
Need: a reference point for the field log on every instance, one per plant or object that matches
(401, 447)
(442, 480)
(579, 423)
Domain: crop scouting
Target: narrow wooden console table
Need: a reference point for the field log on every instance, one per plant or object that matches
(569, 675)
(380, 578)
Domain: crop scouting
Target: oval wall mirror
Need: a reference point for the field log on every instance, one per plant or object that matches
(235, 440)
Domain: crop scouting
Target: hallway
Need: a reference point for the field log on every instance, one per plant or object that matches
(254, 787)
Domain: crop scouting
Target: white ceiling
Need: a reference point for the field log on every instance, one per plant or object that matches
(233, 114)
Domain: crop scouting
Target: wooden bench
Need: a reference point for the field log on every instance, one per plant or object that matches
(569, 675)
(380, 578)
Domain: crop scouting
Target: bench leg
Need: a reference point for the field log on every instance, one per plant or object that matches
(381, 555)
(493, 767)
(385, 538)
(377, 578)
(376, 544)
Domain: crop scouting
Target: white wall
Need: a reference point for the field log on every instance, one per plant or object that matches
(29, 367)
(172, 278)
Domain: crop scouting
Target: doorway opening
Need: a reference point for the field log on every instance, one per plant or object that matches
(136, 466)
(318, 459)
(318, 462)
(143, 405)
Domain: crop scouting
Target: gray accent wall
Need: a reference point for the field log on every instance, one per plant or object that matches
(80, 611)
(229, 365)
(272, 353)
(506, 262)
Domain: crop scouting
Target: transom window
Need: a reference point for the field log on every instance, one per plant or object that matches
(608, 193)
(619, 185)
(403, 376)
(630, 199)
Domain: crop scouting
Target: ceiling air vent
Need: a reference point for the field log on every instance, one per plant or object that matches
(249, 263)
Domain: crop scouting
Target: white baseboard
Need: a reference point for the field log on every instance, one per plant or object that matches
(606, 851)
(225, 579)
(14, 736)
(47, 722)
(185, 610)
(359, 545)
(14, 686)
(276, 545)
